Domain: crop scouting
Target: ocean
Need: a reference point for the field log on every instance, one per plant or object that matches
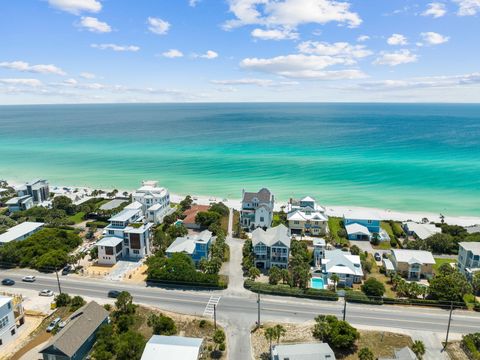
(410, 157)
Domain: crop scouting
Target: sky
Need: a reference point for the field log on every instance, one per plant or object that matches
(109, 51)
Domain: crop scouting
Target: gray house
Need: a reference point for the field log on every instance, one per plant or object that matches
(271, 247)
(257, 209)
(76, 339)
(315, 351)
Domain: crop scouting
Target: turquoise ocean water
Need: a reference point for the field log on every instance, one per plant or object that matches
(405, 157)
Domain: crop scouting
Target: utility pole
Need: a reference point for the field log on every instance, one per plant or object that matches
(448, 328)
(58, 281)
(215, 317)
(344, 307)
(258, 302)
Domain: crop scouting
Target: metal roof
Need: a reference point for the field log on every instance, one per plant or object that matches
(172, 347)
(19, 231)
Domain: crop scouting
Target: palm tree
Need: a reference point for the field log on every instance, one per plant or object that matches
(270, 335)
(279, 332)
(253, 273)
(418, 348)
(285, 275)
(335, 278)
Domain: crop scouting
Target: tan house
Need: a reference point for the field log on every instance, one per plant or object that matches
(413, 264)
(306, 217)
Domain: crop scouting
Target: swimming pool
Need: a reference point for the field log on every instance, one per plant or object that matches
(316, 283)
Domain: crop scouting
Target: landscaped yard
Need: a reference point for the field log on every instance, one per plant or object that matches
(439, 262)
(334, 224)
(77, 218)
(383, 245)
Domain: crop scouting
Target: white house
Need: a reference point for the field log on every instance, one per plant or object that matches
(469, 258)
(358, 232)
(173, 347)
(8, 327)
(420, 231)
(19, 203)
(305, 216)
(38, 189)
(128, 230)
(257, 209)
(271, 247)
(154, 200)
(20, 232)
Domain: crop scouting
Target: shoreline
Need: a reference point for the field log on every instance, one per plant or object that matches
(331, 210)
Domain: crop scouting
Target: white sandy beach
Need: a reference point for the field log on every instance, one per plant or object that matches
(331, 210)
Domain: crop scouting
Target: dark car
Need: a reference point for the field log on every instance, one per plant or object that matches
(8, 282)
(66, 270)
(377, 257)
(113, 293)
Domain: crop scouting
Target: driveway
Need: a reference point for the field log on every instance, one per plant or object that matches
(364, 246)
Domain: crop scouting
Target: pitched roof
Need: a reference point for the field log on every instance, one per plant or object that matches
(473, 246)
(301, 215)
(186, 244)
(263, 195)
(80, 326)
(361, 215)
(19, 230)
(271, 236)
(357, 229)
(191, 213)
(172, 347)
(342, 262)
(314, 351)
(109, 241)
(473, 229)
(423, 231)
(413, 256)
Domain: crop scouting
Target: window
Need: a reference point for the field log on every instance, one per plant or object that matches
(111, 232)
(12, 332)
(3, 322)
(135, 241)
(136, 252)
(296, 222)
(262, 218)
(108, 250)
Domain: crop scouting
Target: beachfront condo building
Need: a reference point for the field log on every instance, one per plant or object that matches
(257, 209)
(271, 247)
(348, 267)
(38, 189)
(196, 246)
(306, 217)
(127, 236)
(469, 258)
(153, 200)
(413, 264)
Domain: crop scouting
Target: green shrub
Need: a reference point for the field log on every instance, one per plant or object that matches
(286, 290)
(222, 347)
(360, 297)
(471, 345)
(62, 299)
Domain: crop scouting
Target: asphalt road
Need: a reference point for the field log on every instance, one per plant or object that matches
(239, 313)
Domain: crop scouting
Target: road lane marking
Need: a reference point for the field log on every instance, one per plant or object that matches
(210, 307)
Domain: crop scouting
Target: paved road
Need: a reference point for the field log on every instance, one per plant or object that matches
(239, 313)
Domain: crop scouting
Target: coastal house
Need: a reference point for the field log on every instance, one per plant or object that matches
(348, 267)
(196, 246)
(306, 217)
(257, 209)
(127, 236)
(173, 347)
(190, 215)
(19, 203)
(473, 229)
(363, 225)
(38, 189)
(469, 258)
(20, 232)
(154, 200)
(306, 351)
(271, 247)
(420, 231)
(8, 326)
(76, 339)
(413, 264)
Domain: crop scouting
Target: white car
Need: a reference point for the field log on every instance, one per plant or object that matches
(45, 292)
(29, 278)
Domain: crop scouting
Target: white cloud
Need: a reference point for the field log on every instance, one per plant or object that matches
(172, 53)
(26, 67)
(423, 82)
(22, 82)
(435, 10)
(468, 7)
(433, 38)
(395, 58)
(363, 38)
(210, 54)
(288, 14)
(87, 75)
(76, 6)
(70, 82)
(301, 66)
(248, 81)
(115, 47)
(339, 49)
(274, 34)
(94, 25)
(397, 39)
(193, 3)
(158, 26)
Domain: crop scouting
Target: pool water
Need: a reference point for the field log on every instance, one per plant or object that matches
(316, 283)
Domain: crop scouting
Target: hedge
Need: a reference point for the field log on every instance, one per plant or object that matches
(285, 290)
(476, 307)
(470, 343)
(423, 302)
(222, 283)
(98, 224)
(360, 297)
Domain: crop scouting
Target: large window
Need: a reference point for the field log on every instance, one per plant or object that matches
(135, 241)
(3, 322)
(108, 250)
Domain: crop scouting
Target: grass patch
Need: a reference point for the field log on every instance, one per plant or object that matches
(77, 218)
(381, 343)
(334, 224)
(384, 245)
(388, 228)
(439, 262)
(224, 223)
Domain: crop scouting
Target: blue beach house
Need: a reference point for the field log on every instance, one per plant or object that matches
(361, 225)
(196, 246)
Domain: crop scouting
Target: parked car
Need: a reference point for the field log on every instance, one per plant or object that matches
(45, 292)
(53, 324)
(62, 324)
(113, 293)
(377, 257)
(29, 278)
(8, 282)
(66, 270)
